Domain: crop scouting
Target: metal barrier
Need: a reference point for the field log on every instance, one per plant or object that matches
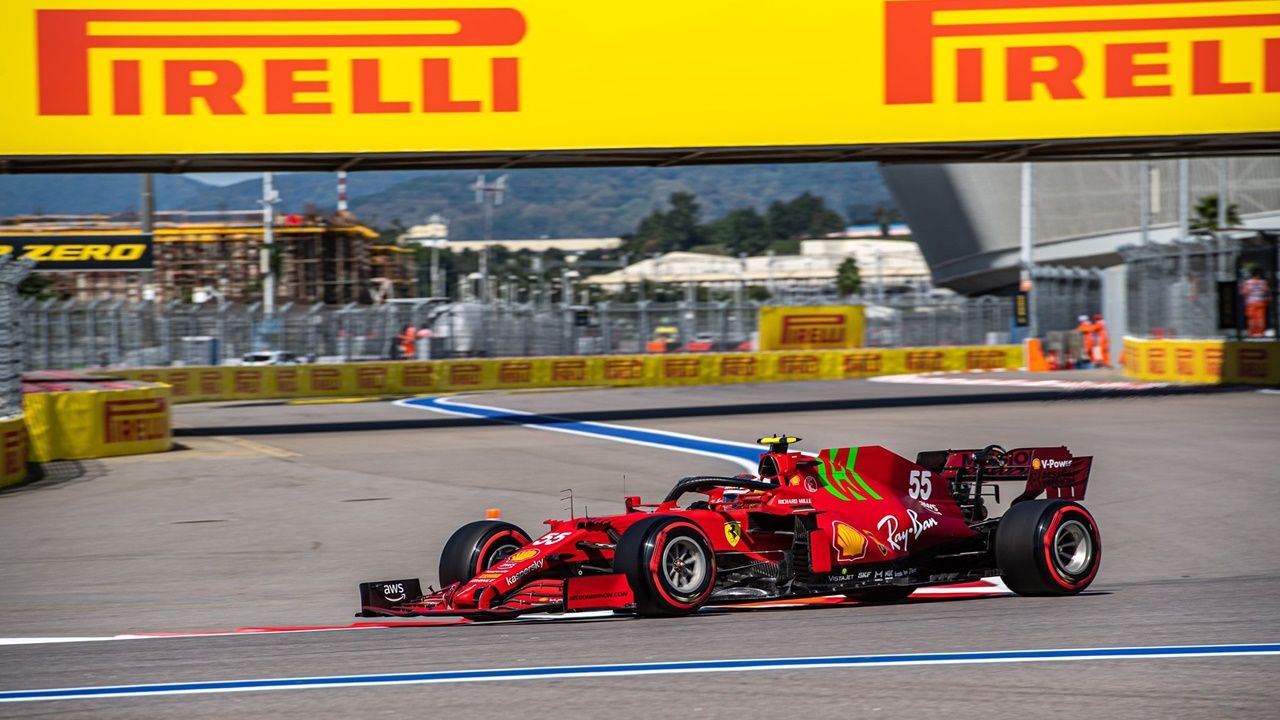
(12, 355)
(71, 334)
(1172, 289)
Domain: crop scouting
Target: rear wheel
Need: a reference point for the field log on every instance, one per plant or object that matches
(476, 546)
(1048, 547)
(669, 564)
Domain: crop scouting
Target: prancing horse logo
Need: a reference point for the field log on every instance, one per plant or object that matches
(733, 533)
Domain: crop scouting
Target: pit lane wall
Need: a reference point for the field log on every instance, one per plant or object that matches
(1203, 361)
(82, 424)
(13, 450)
(196, 384)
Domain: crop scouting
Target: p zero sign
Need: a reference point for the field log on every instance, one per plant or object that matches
(81, 252)
(337, 79)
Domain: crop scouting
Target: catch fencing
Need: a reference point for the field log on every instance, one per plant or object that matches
(65, 334)
(1172, 289)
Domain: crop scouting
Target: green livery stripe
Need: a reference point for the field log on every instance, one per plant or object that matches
(853, 460)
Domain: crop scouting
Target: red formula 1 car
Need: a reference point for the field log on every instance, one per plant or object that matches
(862, 522)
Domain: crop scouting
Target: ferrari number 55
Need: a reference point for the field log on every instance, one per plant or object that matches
(857, 521)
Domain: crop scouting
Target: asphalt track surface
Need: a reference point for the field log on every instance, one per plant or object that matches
(249, 528)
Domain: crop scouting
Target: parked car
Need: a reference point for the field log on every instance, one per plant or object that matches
(269, 357)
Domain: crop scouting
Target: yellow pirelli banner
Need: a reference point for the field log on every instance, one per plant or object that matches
(191, 77)
(1203, 361)
(13, 450)
(822, 327)
(97, 423)
(196, 384)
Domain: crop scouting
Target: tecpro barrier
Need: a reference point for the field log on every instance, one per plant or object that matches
(196, 384)
(81, 424)
(13, 451)
(1203, 361)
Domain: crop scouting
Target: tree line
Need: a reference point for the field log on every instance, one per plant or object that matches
(743, 231)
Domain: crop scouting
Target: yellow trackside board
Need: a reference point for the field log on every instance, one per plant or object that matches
(192, 77)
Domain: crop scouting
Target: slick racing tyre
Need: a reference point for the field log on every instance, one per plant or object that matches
(1048, 547)
(476, 546)
(669, 564)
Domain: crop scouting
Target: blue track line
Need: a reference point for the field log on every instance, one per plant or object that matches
(657, 668)
(740, 453)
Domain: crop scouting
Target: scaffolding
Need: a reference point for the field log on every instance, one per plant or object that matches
(316, 259)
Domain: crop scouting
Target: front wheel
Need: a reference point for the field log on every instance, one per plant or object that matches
(477, 546)
(1048, 547)
(669, 564)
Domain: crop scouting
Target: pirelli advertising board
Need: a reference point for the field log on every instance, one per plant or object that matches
(80, 252)
(102, 78)
(810, 327)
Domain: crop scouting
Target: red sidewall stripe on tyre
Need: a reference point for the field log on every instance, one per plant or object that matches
(655, 572)
(1049, 548)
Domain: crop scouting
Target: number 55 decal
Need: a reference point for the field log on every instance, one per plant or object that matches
(919, 486)
(552, 538)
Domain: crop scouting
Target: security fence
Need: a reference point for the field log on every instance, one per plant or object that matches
(12, 272)
(71, 334)
(1173, 290)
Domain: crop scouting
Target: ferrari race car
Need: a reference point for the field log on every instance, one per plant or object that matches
(860, 521)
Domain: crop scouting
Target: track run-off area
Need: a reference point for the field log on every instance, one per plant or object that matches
(220, 579)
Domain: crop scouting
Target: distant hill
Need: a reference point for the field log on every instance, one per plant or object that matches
(595, 202)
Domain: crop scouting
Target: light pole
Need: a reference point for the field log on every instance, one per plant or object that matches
(489, 196)
(269, 199)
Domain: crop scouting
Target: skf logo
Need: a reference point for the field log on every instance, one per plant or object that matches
(813, 330)
(135, 420)
(1149, 60)
(207, 68)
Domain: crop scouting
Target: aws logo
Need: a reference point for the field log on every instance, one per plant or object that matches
(209, 68)
(1038, 48)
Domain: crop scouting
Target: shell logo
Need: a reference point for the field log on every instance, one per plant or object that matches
(1035, 463)
(523, 555)
(850, 544)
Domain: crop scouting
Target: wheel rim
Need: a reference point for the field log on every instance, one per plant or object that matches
(1073, 547)
(684, 566)
(500, 553)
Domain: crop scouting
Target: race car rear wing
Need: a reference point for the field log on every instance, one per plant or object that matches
(1051, 470)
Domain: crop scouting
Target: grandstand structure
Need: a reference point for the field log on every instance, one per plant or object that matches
(966, 217)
